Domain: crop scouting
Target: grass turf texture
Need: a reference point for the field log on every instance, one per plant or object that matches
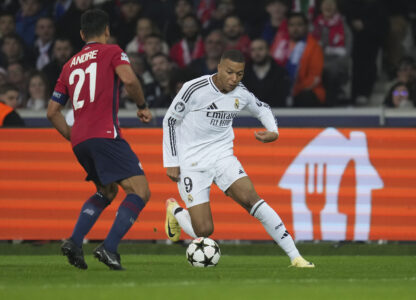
(260, 271)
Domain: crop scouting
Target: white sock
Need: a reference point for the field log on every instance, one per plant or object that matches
(274, 227)
(184, 220)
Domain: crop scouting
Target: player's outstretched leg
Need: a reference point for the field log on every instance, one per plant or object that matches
(277, 230)
(177, 218)
(74, 254)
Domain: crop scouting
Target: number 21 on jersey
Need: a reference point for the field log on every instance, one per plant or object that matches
(91, 70)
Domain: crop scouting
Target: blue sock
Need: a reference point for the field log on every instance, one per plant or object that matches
(127, 214)
(90, 212)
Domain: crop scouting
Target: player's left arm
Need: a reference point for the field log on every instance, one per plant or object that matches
(58, 100)
(57, 119)
(121, 64)
(263, 112)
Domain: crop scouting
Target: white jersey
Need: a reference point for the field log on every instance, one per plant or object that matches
(197, 128)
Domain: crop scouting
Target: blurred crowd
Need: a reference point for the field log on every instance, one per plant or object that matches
(300, 53)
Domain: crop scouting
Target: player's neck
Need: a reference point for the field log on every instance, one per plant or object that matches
(97, 39)
(217, 83)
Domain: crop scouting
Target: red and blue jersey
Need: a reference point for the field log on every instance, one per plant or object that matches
(89, 79)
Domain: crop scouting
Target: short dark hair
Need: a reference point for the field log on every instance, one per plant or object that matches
(7, 14)
(406, 61)
(233, 55)
(298, 15)
(153, 35)
(93, 22)
(63, 38)
(162, 55)
(8, 87)
(284, 2)
(194, 17)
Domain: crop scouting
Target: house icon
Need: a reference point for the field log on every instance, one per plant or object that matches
(318, 168)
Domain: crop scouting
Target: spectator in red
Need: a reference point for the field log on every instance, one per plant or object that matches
(335, 38)
(204, 11)
(277, 10)
(235, 38)
(191, 46)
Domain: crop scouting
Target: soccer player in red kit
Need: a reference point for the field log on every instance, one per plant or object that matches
(91, 79)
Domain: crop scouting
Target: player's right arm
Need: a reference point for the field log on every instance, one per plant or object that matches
(55, 105)
(134, 91)
(171, 122)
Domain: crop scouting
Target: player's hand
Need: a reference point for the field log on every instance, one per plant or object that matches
(173, 173)
(144, 115)
(266, 136)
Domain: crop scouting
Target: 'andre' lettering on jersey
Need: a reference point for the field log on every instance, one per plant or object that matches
(84, 57)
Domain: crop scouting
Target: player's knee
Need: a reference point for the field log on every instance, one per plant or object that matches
(143, 192)
(146, 195)
(110, 191)
(248, 200)
(204, 230)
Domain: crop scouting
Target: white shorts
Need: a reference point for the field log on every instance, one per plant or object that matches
(194, 186)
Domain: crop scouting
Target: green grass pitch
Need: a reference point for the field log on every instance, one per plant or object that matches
(155, 271)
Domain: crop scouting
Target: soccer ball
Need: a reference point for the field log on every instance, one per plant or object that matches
(203, 252)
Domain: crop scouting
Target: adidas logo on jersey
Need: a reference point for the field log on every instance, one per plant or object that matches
(213, 106)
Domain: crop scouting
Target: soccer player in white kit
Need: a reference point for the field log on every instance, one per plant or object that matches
(198, 150)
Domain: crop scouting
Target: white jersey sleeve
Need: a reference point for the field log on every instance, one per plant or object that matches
(261, 111)
(171, 124)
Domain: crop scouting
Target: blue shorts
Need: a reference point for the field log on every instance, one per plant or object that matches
(107, 160)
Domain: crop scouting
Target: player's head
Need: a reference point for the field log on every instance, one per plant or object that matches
(230, 70)
(94, 25)
(297, 26)
(9, 94)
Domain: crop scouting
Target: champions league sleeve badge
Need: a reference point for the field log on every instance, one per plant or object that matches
(179, 107)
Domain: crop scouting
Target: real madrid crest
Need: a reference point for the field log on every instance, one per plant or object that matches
(190, 198)
(236, 103)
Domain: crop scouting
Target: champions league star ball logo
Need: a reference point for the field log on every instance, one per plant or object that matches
(236, 103)
(180, 107)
